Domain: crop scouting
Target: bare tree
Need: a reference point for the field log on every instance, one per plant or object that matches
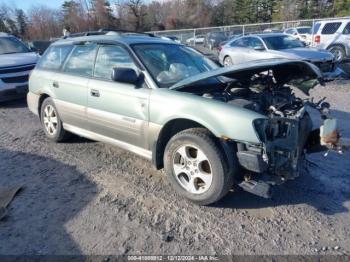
(137, 10)
(44, 23)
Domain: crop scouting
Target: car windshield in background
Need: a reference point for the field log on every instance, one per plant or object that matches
(10, 45)
(282, 42)
(304, 30)
(168, 64)
(218, 34)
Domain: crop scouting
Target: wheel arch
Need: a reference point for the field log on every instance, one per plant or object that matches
(346, 49)
(226, 56)
(42, 97)
(174, 126)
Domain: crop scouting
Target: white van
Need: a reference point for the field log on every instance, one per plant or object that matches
(333, 35)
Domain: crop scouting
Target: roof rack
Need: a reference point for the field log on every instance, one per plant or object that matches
(105, 31)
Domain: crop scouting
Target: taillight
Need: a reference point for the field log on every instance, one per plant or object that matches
(317, 39)
(220, 48)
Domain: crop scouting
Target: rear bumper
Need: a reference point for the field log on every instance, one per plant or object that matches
(33, 102)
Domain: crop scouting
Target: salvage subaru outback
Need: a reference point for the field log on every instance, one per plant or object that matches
(209, 127)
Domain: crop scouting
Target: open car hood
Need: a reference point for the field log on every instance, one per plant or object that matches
(300, 74)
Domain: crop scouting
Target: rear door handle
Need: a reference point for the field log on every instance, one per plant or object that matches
(95, 92)
(55, 84)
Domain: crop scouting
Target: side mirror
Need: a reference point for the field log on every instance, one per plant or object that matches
(259, 48)
(125, 75)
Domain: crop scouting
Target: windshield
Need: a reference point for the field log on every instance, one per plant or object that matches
(218, 34)
(11, 45)
(282, 42)
(168, 64)
(304, 30)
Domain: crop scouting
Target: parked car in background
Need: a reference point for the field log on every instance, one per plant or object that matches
(213, 39)
(269, 46)
(273, 30)
(39, 46)
(230, 39)
(172, 38)
(303, 33)
(333, 35)
(208, 126)
(196, 40)
(16, 63)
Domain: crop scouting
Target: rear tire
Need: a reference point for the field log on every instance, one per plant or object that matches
(228, 61)
(196, 166)
(338, 52)
(51, 122)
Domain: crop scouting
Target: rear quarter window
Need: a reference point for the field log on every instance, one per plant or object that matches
(81, 61)
(330, 28)
(316, 28)
(54, 57)
(347, 29)
(242, 42)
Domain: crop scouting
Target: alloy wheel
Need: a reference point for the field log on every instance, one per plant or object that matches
(192, 169)
(50, 120)
(228, 61)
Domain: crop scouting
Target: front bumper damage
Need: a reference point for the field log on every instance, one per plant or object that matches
(281, 156)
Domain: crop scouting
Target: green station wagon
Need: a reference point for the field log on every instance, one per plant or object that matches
(209, 127)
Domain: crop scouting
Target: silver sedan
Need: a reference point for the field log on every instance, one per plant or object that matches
(269, 46)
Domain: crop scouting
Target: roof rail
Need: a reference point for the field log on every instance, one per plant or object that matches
(105, 31)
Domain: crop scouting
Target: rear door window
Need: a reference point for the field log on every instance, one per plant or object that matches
(254, 42)
(109, 57)
(81, 61)
(54, 57)
(330, 28)
(242, 42)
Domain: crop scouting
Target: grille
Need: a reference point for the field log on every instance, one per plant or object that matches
(16, 69)
(15, 79)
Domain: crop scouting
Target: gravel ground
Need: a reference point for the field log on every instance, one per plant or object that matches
(84, 197)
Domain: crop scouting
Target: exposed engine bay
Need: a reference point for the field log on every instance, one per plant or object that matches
(285, 129)
(263, 96)
(287, 135)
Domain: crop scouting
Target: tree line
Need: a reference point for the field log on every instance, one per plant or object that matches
(42, 22)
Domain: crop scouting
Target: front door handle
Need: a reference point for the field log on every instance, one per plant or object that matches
(55, 84)
(95, 92)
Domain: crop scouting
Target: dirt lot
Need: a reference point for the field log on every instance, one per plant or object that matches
(84, 197)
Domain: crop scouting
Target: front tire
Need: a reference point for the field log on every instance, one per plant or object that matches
(51, 122)
(196, 166)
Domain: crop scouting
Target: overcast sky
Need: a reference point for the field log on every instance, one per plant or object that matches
(26, 4)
